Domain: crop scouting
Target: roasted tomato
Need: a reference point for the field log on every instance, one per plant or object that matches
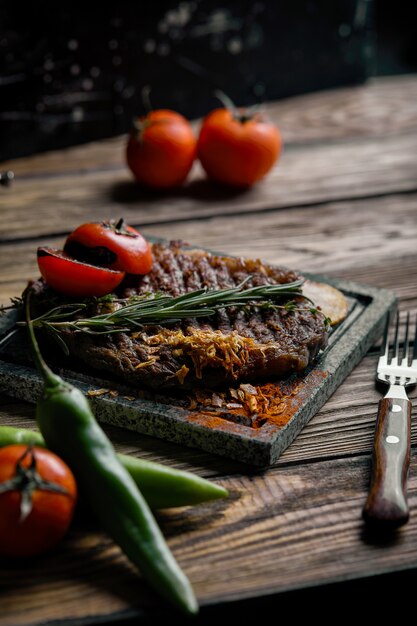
(236, 147)
(38, 494)
(74, 278)
(161, 149)
(110, 244)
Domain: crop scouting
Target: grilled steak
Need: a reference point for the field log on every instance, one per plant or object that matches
(233, 345)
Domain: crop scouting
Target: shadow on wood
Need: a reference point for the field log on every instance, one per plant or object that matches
(202, 189)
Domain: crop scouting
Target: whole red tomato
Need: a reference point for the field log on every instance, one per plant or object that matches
(38, 494)
(236, 147)
(161, 149)
(110, 244)
(75, 278)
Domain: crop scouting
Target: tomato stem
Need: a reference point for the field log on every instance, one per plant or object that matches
(226, 101)
(138, 128)
(27, 480)
(240, 115)
(120, 228)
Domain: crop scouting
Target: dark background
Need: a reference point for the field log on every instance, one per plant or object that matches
(70, 73)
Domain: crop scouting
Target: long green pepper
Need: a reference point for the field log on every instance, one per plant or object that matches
(162, 487)
(70, 429)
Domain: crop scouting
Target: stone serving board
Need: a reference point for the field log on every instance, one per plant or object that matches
(217, 430)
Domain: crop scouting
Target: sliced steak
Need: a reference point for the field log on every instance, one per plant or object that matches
(233, 345)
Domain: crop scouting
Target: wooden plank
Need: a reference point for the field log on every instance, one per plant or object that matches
(331, 238)
(347, 239)
(286, 529)
(299, 523)
(382, 106)
(344, 426)
(305, 175)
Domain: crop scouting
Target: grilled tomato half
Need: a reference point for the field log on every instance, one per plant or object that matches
(110, 244)
(75, 278)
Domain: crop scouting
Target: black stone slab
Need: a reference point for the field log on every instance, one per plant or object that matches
(216, 433)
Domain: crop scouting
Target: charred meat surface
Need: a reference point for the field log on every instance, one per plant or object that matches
(234, 345)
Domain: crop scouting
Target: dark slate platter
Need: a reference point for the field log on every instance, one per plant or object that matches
(217, 430)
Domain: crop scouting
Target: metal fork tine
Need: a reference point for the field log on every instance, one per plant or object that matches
(385, 340)
(415, 344)
(406, 346)
(394, 360)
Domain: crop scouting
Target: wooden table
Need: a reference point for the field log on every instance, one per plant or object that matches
(343, 200)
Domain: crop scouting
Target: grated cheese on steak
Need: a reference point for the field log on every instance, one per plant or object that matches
(232, 346)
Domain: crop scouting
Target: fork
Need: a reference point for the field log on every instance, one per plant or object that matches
(386, 505)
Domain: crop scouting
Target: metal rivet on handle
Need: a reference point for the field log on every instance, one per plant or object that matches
(395, 408)
(392, 439)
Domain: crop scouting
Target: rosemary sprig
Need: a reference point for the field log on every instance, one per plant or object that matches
(161, 309)
(15, 303)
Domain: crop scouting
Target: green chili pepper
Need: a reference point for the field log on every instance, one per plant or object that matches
(70, 430)
(161, 486)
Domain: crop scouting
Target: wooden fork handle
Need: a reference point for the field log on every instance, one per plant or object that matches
(386, 505)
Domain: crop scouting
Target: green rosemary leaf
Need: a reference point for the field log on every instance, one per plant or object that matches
(62, 311)
(161, 309)
(15, 303)
(104, 331)
(290, 305)
(57, 338)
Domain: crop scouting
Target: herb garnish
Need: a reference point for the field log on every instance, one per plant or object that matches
(134, 313)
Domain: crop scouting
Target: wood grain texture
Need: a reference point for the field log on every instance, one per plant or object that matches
(347, 239)
(306, 517)
(385, 105)
(342, 201)
(305, 175)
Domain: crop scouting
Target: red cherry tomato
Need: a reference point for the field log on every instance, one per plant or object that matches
(107, 244)
(74, 278)
(236, 148)
(42, 524)
(161, 149)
